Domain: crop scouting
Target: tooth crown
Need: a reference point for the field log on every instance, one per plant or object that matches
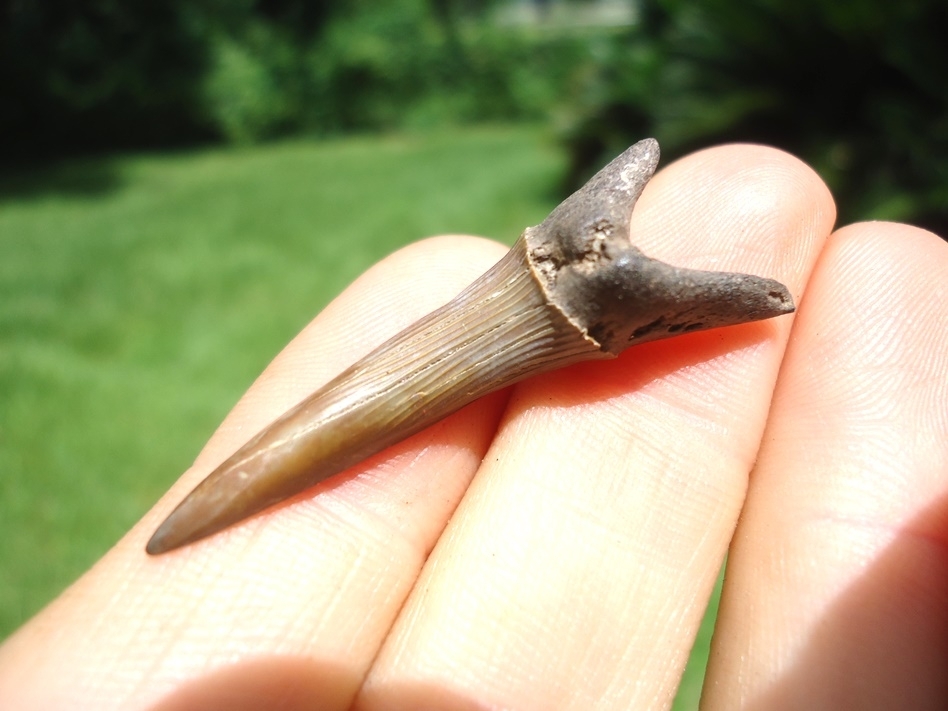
(499, 330)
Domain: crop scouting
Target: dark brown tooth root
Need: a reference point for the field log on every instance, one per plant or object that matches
(570, 289)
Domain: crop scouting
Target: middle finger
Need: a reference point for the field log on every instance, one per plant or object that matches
(576, 570)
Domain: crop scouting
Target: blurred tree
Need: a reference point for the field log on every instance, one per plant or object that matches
(89, 75)
(94, 74)
(856, 88)
(82, 75)
(304, 18)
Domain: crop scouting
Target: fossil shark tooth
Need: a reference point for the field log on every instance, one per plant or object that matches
(571, 289)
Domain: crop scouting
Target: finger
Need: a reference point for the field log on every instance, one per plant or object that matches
(836, 595)
(291, 605)
(575, 572)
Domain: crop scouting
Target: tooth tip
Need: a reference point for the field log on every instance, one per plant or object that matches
(782, 301)
(769, 297)
(166, 538)
(156, 544)
(191, 521)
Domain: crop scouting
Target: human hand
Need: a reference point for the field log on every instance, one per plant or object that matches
(553, 546)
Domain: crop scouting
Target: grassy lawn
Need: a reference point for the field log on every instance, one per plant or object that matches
(140, 296)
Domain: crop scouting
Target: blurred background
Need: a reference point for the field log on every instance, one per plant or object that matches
(184, 184)
(857, 88)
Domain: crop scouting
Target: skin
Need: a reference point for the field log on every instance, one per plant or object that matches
(553, 545)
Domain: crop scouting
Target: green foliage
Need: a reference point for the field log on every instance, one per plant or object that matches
(247, 91)
(398, 64)
(370, 65)
(95, 75)
(99, 74)
(857, 89)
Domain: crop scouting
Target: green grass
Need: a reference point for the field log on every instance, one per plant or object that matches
(140, 295)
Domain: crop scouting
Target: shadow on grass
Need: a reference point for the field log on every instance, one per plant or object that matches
(82, 177)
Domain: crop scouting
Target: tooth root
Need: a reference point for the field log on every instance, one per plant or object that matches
(611, 290)
(571, 289)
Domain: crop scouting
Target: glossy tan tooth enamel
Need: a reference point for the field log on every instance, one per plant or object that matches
(573, 288)
(500, 330)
